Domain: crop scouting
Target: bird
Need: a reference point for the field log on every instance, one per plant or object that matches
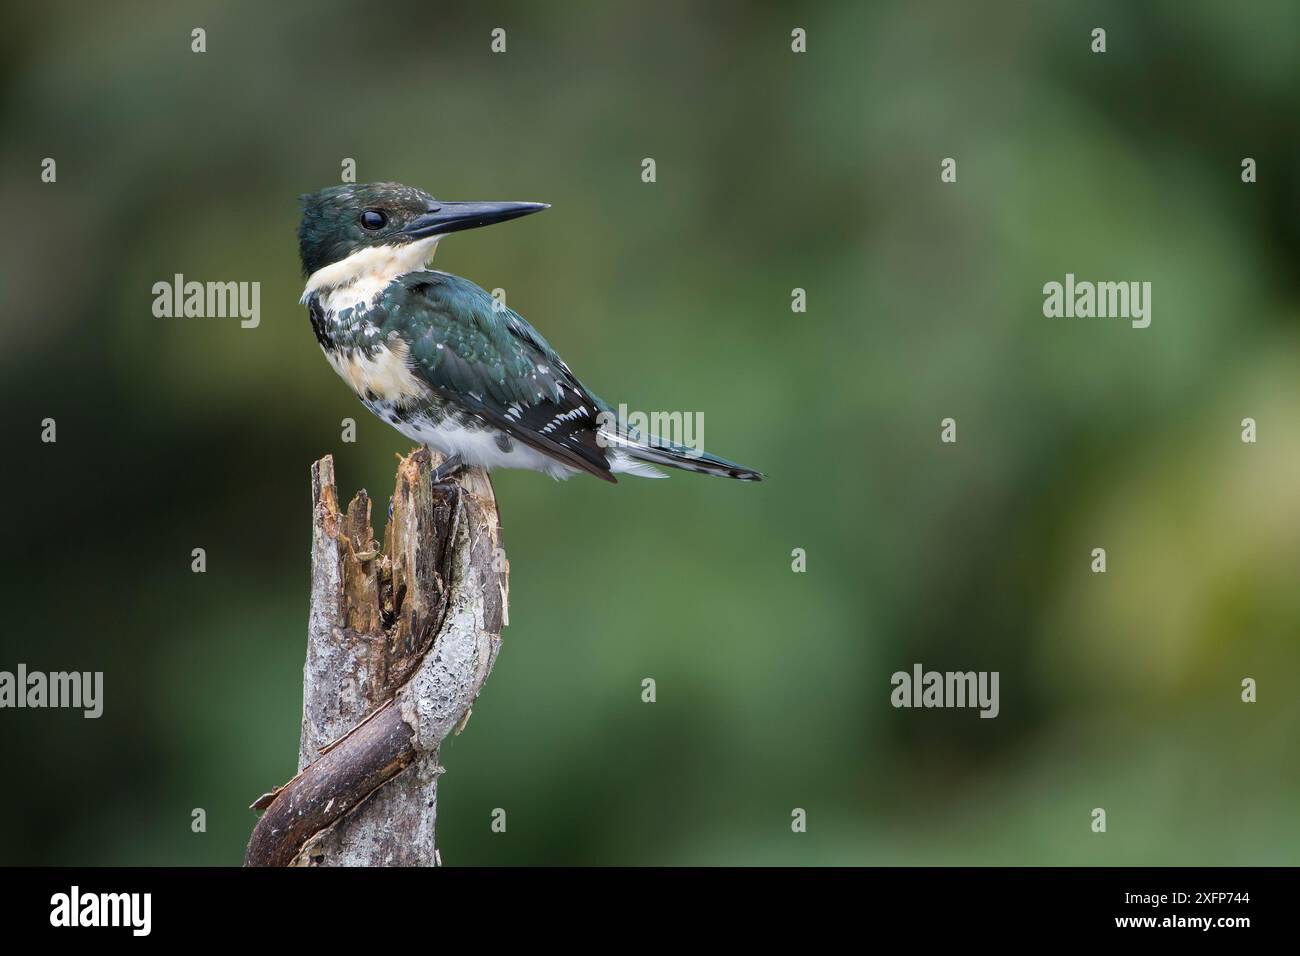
(443, 362)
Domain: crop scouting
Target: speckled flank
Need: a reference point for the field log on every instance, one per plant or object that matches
(383, 372)
(453, 431)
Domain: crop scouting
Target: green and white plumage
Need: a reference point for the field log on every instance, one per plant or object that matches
(447, 365)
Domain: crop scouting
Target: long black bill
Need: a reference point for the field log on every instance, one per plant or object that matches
(456, 216)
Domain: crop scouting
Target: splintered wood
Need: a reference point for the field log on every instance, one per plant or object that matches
(400, 638)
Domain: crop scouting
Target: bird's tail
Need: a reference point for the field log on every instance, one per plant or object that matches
(637, 454)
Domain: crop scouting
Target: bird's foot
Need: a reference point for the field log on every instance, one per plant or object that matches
(448, 469)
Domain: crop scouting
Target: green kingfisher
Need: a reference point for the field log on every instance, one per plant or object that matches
(445, 363)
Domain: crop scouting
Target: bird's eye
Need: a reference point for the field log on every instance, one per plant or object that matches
(373, 219)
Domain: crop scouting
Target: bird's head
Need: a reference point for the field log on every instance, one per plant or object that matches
(341, 221)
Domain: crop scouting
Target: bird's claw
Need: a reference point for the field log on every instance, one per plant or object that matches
(447, 469)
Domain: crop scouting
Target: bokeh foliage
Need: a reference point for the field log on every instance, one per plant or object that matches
(775, 171)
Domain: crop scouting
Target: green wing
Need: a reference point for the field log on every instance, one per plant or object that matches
(490, 363)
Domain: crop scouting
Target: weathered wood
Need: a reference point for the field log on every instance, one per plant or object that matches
(400, 640)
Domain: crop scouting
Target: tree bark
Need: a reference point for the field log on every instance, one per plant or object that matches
(400, 639)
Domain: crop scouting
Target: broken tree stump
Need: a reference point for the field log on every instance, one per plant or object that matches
(400, 639)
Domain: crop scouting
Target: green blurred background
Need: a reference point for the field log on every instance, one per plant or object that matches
(775, 171)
